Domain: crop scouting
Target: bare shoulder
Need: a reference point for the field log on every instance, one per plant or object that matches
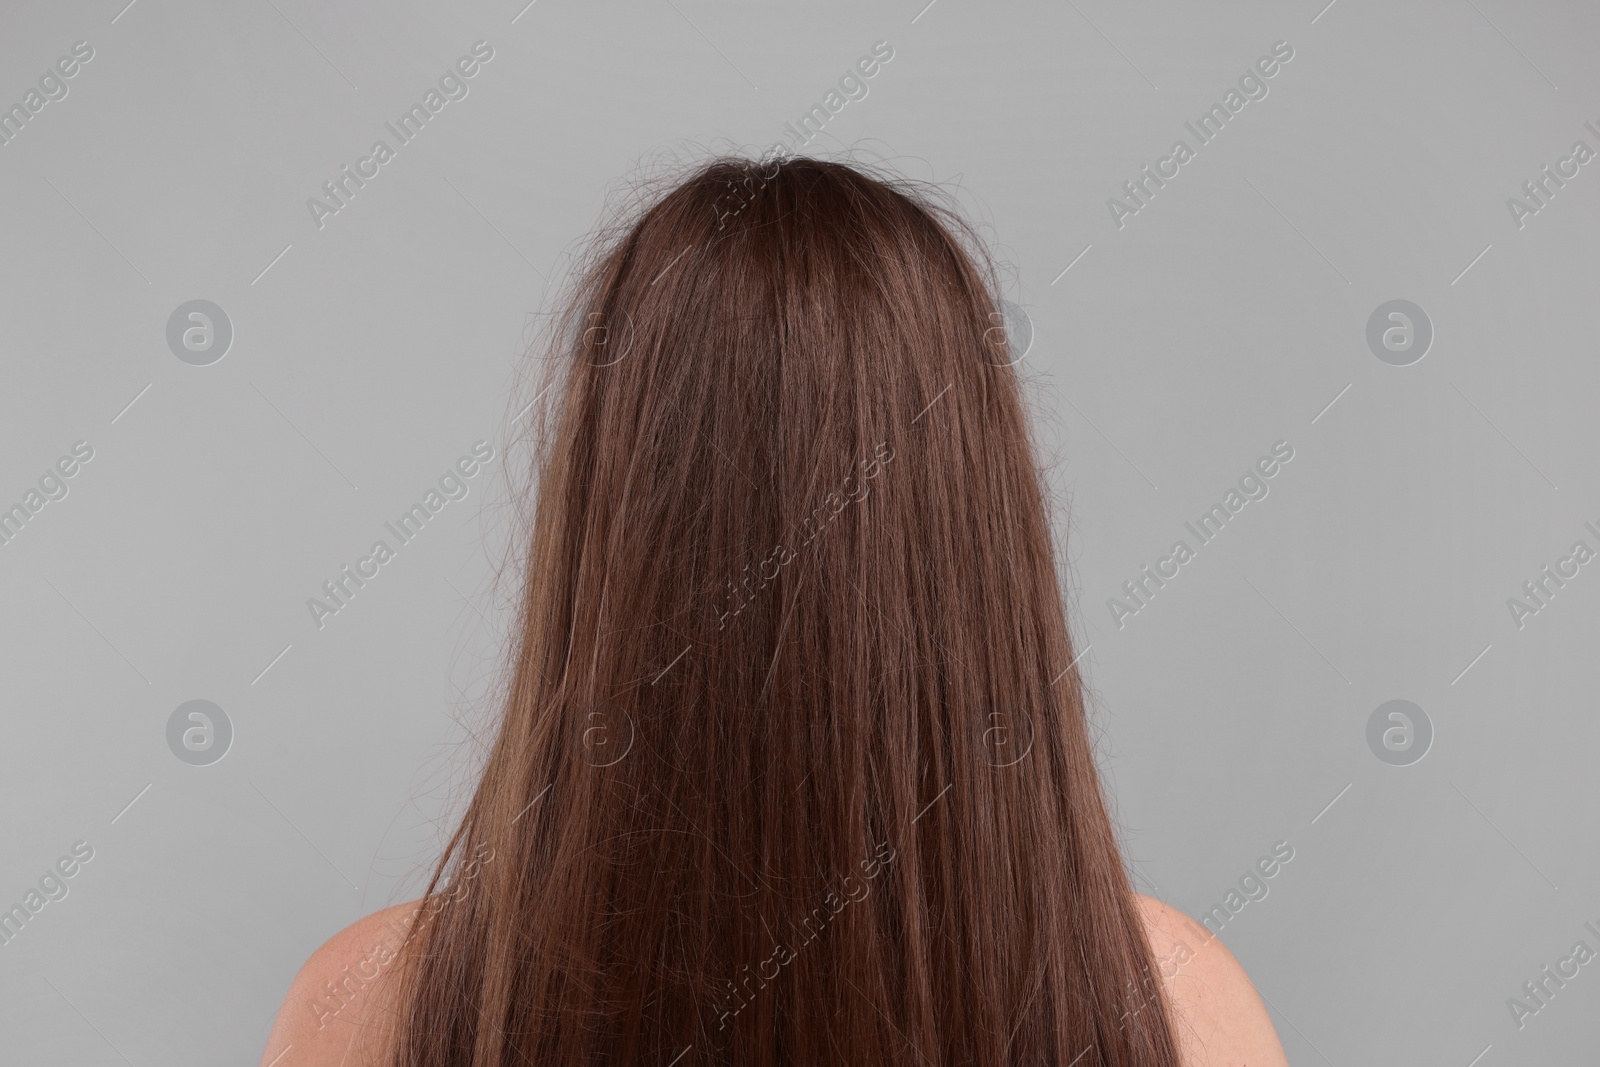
(1219, 1018)
(339, 1010)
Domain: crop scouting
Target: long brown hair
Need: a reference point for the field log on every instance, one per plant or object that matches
(793, 766)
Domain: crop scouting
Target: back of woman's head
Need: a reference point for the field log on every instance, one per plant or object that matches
(793, 766)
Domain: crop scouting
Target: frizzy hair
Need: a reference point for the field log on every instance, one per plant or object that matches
(858, 819)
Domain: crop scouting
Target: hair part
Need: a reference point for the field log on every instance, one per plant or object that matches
(792, 765)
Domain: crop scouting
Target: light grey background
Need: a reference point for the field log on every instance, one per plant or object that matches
(1223, 317)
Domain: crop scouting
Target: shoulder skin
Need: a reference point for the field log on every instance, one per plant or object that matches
(339, 1010)
(1218, 1018)
(336, 1013)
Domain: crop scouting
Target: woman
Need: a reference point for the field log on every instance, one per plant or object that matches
(793, 766)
